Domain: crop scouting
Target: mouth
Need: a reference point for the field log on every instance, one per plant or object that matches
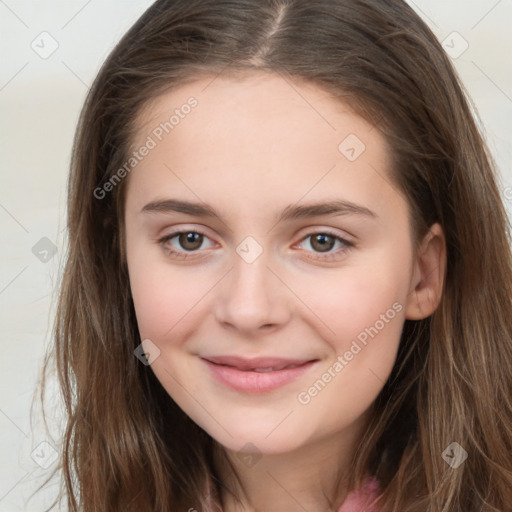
(259, 375)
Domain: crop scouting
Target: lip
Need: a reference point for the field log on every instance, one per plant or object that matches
(239, 373)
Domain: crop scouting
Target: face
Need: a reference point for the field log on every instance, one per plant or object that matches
(270, 259)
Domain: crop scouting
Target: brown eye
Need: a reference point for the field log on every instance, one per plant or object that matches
(322, 242)
(190, 241)
(184, 244)
(326, 246)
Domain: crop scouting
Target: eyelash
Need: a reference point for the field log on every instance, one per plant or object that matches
(327, 257)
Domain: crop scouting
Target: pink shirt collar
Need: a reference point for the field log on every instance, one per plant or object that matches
(359, 501)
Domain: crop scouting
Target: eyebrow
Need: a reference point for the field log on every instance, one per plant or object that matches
(334, 207)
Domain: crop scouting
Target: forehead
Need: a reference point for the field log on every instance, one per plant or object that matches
(259, 135)
(261, 103)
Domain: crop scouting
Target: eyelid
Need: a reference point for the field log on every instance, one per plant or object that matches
(329, 231)
(185, 229)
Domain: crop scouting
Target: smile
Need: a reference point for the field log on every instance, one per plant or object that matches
(256, 376)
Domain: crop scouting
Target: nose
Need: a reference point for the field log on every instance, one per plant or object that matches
(252, 298)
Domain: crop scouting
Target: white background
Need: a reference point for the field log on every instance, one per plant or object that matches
(40, 100)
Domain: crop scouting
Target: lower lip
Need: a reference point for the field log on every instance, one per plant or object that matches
(256, 382)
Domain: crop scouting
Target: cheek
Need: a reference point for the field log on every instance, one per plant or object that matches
(164, 296)
(361, 311)
(354, 299)
(367, 320)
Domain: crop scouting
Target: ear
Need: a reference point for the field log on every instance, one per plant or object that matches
(428, 275)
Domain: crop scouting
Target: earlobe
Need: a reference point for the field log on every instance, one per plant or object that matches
(428, 277)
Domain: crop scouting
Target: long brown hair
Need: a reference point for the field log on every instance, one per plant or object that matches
(127, 446)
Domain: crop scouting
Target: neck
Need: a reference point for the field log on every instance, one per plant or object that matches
(313, 477)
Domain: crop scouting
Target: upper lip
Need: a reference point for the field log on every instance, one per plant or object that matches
(242, 363)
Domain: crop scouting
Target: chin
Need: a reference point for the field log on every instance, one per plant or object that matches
(258, 439)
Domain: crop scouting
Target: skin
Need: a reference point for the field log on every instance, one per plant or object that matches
(250, 148)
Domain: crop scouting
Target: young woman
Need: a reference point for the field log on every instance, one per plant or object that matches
(289, 277)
